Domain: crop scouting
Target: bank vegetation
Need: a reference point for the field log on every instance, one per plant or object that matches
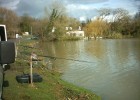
(51, 88)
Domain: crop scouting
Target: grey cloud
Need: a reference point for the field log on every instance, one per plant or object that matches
(2, 2)
(88, 13)
(35, 8)
(11, 4)
(87, 1)
(137, 4)
(32, 8)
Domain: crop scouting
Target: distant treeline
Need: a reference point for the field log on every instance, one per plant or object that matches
(110, 23)
(114, 23)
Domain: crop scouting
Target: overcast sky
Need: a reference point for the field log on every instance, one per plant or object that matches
(80, 9)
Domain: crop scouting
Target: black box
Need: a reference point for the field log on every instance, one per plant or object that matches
(7, 52)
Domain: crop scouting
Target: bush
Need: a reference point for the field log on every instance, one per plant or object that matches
(115, 35)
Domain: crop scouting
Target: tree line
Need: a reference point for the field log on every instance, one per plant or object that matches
(114, 23)
(41, 27)
(119, 24)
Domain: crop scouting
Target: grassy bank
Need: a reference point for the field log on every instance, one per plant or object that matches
(51, 88)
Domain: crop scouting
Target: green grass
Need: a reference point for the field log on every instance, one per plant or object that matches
(51, 88)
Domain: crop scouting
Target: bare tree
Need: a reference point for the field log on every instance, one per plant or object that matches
(121, 18)
(119, 14)
(104, 12)
(10, 19)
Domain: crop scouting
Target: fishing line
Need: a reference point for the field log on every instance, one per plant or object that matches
(67, 59)
(52, 57)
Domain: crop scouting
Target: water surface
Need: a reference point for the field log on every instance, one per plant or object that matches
(114, 69)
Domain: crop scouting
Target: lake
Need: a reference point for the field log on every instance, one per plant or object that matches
(110, 68)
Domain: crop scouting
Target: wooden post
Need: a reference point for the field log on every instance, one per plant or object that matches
(31, 71)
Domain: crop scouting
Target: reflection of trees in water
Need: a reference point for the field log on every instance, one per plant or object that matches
(114, 54)
(118, 49)
(62, 49)
(124, 52)
(117, 53)
(95, 48)
(116, 64)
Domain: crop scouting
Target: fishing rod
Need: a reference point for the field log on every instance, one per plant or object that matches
(52, 57)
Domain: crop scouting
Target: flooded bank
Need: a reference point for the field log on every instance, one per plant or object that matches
(114, 70)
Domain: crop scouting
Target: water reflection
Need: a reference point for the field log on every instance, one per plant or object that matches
(114, 73)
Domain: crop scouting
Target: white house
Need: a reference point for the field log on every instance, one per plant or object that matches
(76, 33)
(26, 33)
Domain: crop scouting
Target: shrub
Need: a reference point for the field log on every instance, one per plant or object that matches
(115, 35)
